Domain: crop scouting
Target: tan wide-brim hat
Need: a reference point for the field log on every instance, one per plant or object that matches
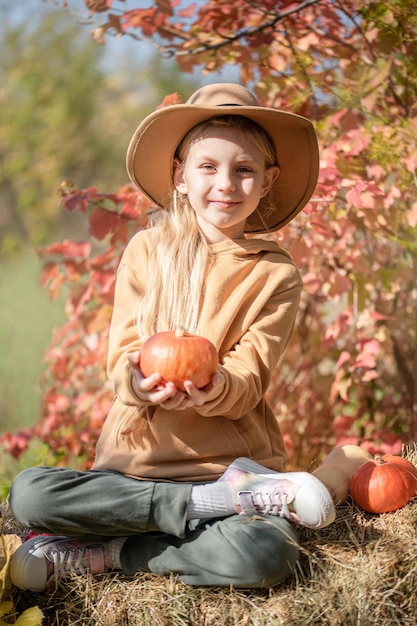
(152, 148)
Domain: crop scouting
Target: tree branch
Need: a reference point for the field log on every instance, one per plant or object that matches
(248, 32)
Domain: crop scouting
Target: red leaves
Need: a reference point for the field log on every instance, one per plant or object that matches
(188, 12)
(16, 443)
(108, 213)
(71, 256)
(164, 6)
(173, 98)
(98, 6)
(67, 249)
(368, 350)
(143, 19)
(360, 364)
(76, 200)
(363, 195)
(102, 222)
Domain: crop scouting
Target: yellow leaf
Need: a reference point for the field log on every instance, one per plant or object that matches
(31, 617)
(4, 563)
(8, 545)
(5, 609)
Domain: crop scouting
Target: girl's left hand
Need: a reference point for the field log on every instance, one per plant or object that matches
(196, 396)
(192, 396)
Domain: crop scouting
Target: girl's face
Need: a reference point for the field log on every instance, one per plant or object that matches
(224, 176)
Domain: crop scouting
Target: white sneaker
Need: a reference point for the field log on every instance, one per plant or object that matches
(43, 559)
(297, 496)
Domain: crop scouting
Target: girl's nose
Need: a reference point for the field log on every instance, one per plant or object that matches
(225, 181)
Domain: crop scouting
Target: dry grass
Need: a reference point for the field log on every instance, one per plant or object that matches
(360, 571)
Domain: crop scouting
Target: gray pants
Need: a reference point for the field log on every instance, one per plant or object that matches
(240, 550)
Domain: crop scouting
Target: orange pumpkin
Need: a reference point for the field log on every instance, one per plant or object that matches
(384, 484)
(179, 356)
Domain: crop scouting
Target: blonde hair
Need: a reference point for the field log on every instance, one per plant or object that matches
(180, 254)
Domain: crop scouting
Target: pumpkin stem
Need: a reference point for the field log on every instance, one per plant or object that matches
(378, 459)
(180, 332)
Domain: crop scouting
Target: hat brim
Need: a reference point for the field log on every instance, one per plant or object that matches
(151, 152)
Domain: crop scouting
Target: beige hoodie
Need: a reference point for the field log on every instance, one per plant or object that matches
(249, 306)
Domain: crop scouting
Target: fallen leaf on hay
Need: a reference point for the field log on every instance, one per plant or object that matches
(8, 545)
(5, 609)
(31, 617)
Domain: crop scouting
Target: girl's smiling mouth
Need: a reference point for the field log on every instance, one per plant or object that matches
(224, 204)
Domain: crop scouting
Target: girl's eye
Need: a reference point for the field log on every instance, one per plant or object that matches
(245, 170)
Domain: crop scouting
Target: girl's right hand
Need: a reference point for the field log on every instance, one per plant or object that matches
(151, 389)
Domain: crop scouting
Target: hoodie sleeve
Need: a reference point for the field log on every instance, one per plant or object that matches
(123, 336)
(247, 368)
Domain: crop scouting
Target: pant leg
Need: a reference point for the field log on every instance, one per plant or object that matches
(106, 503)
(241, 550)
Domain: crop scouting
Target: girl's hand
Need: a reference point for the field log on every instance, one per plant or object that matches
(152, 390)
(198, 397)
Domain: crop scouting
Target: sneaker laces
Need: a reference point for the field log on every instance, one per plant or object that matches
(75, 560)
(269, 502)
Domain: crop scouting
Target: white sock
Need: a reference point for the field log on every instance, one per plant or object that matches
(115, 548)
(210, 500)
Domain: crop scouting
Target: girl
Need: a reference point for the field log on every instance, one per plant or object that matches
(192, 482)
